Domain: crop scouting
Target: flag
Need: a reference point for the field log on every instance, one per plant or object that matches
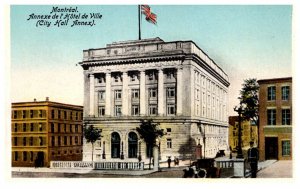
(150, 17)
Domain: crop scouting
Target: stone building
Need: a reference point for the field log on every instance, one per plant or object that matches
(46, 131)
(275, 118)
(173, 83)
(248, 133)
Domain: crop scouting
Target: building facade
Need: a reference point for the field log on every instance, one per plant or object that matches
(173, 83)
(45, 131)
(275, 118)
(248, 133)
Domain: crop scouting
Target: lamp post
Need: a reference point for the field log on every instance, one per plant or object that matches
(239, 110)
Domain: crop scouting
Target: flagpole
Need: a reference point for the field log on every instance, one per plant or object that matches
(139, 21)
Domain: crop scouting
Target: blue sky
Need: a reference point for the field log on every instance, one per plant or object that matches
(245, 41)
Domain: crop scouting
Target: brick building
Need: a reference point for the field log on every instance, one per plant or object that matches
(46, 131)
(173, 83)
(275, 118)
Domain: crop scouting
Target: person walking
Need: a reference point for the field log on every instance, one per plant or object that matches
(253, 159)
(169, 162)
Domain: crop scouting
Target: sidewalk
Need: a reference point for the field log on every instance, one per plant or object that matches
(261, 165)
(279, 169)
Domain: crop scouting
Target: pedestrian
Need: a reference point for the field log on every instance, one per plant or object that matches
(253, 159)
(169, 162)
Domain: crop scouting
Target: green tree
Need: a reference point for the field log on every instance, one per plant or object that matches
(91, 134)
(149, 132)
(249, 101)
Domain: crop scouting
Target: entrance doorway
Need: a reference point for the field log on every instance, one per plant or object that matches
(271, 147)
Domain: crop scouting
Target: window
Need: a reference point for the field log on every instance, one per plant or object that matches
(70, 140)
(31, 113)
(31, 127)
(15, 141)
(152, 93)
(24, 113)
(118, 94)
(169, 130)
(24, 156)
(135, 110)
(65, 128)
(41, 141)
(24, 127)
(40, 113)
(152, 76)
(31, 141)
(118, 110)
(285, 92)
(16, 127)
(171, 92)
(271, 116)
(16, 156)
(59, 114)
(65, 114)
(15, 114)
(133, 77)
(71, 115)
(286, 151)
(271, 93)
(76, 128)
(65, 140)
(52, 140)
(52, 114)
(58, 128)
(101, 79)
(101, 95)
(115, 145)
(135, 93)
(52, 127)
(171, 109)
(286, 117)
(76, 139)
(40, 127)
(24, 141)
(132, 145)
(169, 143)
(59, 141)
(76, 115)
(117, 78)
(101, 110)
(152, 109)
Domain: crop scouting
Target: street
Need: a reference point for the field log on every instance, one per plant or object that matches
(279, 169)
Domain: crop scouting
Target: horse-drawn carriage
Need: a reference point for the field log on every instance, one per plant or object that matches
(202, 168)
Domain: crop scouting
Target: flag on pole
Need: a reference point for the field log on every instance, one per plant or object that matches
(150, 17)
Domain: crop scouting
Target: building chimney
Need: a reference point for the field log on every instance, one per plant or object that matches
(47, 98)
(34, 100)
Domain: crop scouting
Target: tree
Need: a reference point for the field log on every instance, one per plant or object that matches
(149, 132)
(91, 134)
(249, 101)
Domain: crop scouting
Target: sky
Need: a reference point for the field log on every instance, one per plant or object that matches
(246, 41)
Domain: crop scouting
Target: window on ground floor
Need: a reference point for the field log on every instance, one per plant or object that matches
(286, 148)
(169, 143)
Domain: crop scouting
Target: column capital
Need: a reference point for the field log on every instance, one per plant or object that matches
(91, 74)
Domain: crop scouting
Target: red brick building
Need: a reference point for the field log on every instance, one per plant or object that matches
(275, 119)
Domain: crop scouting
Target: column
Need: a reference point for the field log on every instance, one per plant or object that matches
(107, 94)
(125, 94)
(192, 91)
(142, 92)
(160, 101)
(179, 91)
(92, 95)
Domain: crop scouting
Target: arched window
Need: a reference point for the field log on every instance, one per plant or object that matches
(132, 145)
(115, 145)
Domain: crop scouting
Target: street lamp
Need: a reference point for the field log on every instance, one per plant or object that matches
(239, 110)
